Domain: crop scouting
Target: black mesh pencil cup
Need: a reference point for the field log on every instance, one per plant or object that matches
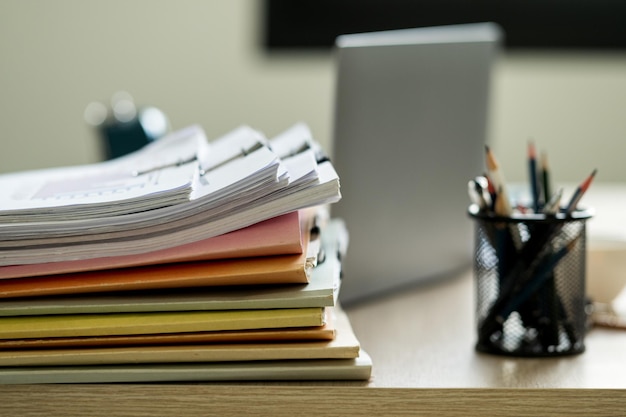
(530, 283)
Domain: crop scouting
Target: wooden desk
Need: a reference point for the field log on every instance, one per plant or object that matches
(422, 345)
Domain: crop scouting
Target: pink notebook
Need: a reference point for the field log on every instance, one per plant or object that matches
(280, 235)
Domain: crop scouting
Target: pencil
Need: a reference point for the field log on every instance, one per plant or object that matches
(532, 171)
(481, 187)
(543, 272)
(500, 206)
(496, 176)
(545, 177)
(522, 281)
(580, 190)
(476, 195)
(552, 205)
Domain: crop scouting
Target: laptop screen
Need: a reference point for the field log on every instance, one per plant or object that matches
(410, 125)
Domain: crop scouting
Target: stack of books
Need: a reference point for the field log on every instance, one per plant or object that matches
(188, 260)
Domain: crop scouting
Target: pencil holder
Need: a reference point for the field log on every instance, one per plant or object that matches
(530, 283)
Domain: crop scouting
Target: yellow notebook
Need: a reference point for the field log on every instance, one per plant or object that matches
(344, 346)
(160, 322)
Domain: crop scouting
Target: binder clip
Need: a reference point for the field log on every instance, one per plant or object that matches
(122, 127)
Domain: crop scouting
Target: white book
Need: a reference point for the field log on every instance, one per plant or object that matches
(105, 188)
(230, 189)
(359, 368)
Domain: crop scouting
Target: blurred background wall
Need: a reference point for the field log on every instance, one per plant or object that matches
(202, 62)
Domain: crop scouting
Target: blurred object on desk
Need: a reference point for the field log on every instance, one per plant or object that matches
(606, 262)
(123, 128)
(611, 314)
(606, 268)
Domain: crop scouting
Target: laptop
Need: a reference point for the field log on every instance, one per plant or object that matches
(410, 126)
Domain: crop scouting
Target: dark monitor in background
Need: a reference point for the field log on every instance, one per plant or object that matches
(410, 125)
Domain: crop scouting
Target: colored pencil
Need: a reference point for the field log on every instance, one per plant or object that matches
(580, 191)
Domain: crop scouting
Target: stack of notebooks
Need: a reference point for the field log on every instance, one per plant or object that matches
(188, 260)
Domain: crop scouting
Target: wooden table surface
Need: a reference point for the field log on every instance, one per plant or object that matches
(424, 338)
(421, 341)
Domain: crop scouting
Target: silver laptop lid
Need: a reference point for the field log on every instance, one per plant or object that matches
(410, 126)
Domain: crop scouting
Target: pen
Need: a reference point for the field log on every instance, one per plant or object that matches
(480, 185)
(476, 195)
(491, 190)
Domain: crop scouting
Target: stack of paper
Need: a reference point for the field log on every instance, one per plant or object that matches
(187, 260)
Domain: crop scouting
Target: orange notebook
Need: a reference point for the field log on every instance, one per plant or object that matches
(280, 269)
(278, 236)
